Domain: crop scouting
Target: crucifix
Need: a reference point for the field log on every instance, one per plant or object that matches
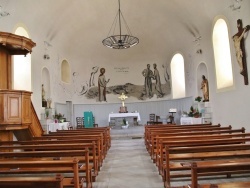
(122, 97)
(123, 108)
(239, 45)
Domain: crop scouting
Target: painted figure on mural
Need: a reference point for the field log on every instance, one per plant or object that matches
(148, 74)
(238, 39)
(102, 83)
(157, 82)
(205, 89)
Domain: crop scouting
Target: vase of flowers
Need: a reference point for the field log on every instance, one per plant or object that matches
(59, 117)
(193, 112)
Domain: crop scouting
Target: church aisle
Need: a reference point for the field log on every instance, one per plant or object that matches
(128, 165)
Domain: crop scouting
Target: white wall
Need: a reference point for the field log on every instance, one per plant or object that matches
(229, 107)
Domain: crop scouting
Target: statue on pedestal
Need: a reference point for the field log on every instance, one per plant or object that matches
(44, 102)
(123, 108)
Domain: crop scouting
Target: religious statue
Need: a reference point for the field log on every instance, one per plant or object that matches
(43, 93)
(44, 102)
(205, 89)
(123, 108)
(239, 46)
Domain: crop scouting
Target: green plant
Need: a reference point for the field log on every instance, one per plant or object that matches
(47, 113)
(124, 121)
(58, 116)
(198, 98)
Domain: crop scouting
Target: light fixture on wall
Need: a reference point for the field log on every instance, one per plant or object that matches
(46, 54)
(120, 41)
(3, 13)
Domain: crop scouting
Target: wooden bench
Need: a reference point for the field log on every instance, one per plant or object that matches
(182, 129)
(66, 138)
(160, 140)
(103, 130)
(54, 147)
(102, 148)
(58, 155)
(149, 128)
(199, 152)
(32, 182)
(214, 167)
(156, 137)
(61, 141)
(14, 167)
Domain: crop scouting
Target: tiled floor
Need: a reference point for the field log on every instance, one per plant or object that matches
(128, 164)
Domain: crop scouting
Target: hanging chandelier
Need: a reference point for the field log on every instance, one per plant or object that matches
(120, 41)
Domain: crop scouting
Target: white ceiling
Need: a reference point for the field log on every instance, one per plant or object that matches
(79, 26)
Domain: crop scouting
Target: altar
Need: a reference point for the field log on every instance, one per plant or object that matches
(115, 116)
(53, 127)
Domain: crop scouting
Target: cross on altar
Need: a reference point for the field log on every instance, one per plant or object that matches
(122, 97)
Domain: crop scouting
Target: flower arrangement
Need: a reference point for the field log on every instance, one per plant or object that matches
(58, 116)
(198, 98)
(193, 112)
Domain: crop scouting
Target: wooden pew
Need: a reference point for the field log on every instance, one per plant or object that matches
(76, 137)
(198, 152)
(54, 147)
(42, 167)
(154, 146)
(106, 131)
(32, 182)
(157, 136)
(103, 130)
(202, 168)
(105, 138)
(183, 129)
(61, 141)
(160, 140)
(149, 128)
(58, 154)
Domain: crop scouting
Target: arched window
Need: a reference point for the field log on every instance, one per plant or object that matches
(65, 71)
(178, 76)
(22, 67)
(222, 55)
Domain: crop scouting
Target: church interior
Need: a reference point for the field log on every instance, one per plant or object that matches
(87, 85)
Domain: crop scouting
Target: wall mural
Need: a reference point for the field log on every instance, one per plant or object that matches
(152, 86)
(96, 87)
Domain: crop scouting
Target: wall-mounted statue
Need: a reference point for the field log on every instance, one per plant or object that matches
(205, 89)
(44, 102)
(239, 45)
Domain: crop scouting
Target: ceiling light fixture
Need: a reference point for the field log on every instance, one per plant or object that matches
(120, 41)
